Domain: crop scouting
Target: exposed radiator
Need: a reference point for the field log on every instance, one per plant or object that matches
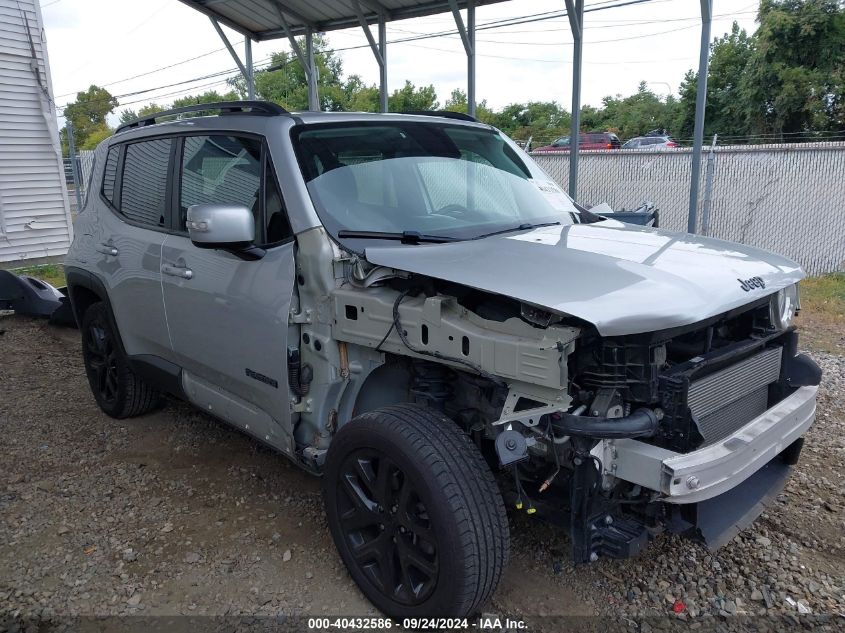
(730, 398)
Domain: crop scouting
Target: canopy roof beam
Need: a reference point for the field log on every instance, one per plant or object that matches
(339, 20)
(245, 67)
(467, 33)
(295, 15)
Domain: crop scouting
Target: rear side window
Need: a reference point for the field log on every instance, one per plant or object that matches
(110, 174)
(143, 195)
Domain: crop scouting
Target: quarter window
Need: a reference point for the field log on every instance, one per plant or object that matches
(110, 174)
(143, 195)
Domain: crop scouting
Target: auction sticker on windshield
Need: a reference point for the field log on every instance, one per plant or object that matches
(554, 195)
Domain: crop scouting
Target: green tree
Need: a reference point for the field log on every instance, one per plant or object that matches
(209, 96)
(635, 114)
(87, 114)
(727, 101)
(96, 136)
(127, 115)
(542, 120)
(151, 108)
(409, 98)
(458, 102)
(360, 97)
(284, 81)
(795, 79)
(593, 118)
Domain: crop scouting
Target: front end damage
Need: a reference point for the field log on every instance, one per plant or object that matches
(702, 456)
(616, 439)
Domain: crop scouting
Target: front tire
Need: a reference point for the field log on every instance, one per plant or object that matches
(119, 392)
(415, 513)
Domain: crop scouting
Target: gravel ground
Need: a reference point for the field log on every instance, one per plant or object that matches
(175, 514)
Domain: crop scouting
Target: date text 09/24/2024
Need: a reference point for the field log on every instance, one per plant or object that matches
(432, 624)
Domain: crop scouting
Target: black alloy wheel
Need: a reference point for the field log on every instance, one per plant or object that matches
(118, 390)
(101, 358)
(415, 513)
(387, 527)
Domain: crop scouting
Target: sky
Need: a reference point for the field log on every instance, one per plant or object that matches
(132, 47)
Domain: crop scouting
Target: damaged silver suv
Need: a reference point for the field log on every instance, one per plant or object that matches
(409, 307)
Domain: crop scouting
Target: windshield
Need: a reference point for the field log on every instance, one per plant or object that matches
(435, 180)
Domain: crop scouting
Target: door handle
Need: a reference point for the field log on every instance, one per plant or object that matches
(107, 249)
(177, 271)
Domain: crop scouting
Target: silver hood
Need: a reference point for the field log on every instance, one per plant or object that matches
(623, 279)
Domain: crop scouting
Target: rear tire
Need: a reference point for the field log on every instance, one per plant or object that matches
(415, 513)
(119, 392)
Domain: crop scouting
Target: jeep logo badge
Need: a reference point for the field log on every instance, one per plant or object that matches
(751, 283)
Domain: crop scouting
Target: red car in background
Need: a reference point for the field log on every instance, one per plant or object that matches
(586, 140)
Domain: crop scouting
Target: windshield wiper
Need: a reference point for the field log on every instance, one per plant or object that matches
(521, 227)
(406, 237)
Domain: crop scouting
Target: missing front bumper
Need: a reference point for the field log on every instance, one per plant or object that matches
(683, 478)
(716, 521)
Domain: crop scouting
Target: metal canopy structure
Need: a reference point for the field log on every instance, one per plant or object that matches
(261, 20)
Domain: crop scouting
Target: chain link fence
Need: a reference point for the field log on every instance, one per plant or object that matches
(78, 167)
(786, 198)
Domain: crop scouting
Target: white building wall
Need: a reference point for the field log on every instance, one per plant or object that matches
(35, 219)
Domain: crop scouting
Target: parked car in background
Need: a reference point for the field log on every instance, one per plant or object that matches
(587, 140)
(650, 142)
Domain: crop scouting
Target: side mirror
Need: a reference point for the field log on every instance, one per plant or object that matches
(224, 226)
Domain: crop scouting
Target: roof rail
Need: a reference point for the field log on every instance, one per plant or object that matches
(225, 107)
(446, 114)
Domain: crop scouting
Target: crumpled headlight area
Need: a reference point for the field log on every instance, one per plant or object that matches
(784, 305)
(538, 316)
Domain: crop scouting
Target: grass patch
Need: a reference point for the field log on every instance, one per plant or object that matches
(824, 295)
(53, 274)
(822, 317)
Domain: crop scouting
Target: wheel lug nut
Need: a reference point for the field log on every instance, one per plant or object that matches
(402, 529)
(381, 526)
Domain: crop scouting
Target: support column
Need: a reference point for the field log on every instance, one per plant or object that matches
(575, 12)
(250, 70)
(468, 38)
(379, 48)
(700, 104)
(306, 59)
(382, 46)
(311, 73)
(246, 69)
(471, 58)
